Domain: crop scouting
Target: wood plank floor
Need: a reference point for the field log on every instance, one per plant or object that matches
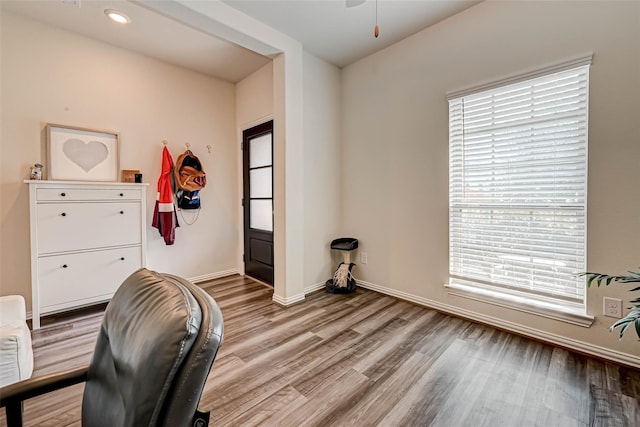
(364, 359)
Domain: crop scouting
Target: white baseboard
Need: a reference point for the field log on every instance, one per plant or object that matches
(312, 288)
(297, 298)
(570, 343)
(211, 276)
(289, 300)
(276, 298)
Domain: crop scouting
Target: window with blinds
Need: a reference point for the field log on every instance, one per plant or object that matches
(517, 186)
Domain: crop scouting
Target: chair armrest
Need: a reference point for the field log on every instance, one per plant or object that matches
(32, 387)
(12, 396)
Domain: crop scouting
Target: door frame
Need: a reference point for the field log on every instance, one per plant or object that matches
(241, 183)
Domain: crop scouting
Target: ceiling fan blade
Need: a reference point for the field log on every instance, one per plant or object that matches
(352, 3)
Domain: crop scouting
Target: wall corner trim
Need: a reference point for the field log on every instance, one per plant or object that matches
(569, 343)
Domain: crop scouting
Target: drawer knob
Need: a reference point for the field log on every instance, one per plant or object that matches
(121, 258)
(121, 194)
(63, 194)
(121, 212)
(64, 266)
(63, 214)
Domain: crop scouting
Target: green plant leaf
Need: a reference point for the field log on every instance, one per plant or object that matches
(620, 322)
(624, 328)
(626, 322)
(633, 317)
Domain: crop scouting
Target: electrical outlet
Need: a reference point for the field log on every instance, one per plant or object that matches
(612, 307)
(363, 258)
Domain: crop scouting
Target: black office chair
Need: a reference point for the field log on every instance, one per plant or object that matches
(158, 339)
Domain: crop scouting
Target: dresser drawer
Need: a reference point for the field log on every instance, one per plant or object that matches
(77, 226)
(83, 278)
(77, 194)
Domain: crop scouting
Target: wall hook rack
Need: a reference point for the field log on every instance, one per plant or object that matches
(209, 148)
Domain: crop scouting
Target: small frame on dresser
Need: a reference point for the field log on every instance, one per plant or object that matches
(81, 154)
(129, 175)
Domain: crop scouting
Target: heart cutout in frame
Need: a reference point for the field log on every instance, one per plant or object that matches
(87, 155)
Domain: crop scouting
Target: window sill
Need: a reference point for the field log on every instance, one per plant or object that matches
(551, 310)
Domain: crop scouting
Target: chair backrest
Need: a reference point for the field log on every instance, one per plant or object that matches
(158, 339)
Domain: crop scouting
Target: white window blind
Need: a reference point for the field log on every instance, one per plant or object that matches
(517, 186)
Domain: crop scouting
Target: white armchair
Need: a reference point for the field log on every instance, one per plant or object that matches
(16, 352)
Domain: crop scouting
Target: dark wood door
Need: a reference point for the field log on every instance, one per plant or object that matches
(257, 146)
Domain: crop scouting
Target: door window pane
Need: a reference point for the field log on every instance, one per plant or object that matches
(261, 215)
(260, 151)
(260, 183)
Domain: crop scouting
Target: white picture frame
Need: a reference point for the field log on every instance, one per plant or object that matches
(82, 154)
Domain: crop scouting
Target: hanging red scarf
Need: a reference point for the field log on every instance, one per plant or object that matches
(164, 215)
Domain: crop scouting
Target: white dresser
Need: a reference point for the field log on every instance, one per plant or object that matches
(86, 238)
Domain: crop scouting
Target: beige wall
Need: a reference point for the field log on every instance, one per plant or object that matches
(322, 167)
(51, 75)
(219, 19)
(393, 122)
(254, 98)
(254, 105)
(395, 137)
(322, 164)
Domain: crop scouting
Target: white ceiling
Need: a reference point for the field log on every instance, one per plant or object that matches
(342, 35)
(148, 33)
(326, 28)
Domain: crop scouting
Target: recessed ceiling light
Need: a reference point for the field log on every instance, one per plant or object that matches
(117, 16)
